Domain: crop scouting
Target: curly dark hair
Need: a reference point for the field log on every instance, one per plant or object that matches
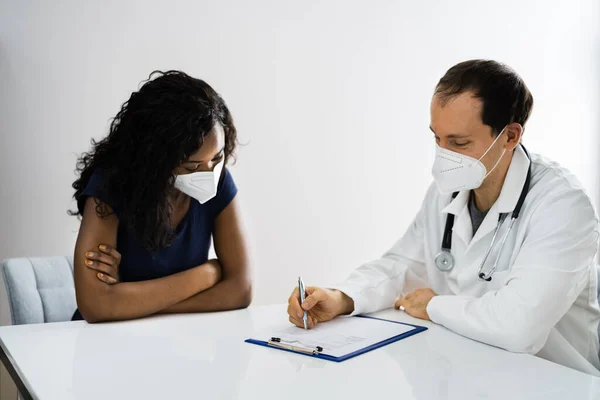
(157, 129)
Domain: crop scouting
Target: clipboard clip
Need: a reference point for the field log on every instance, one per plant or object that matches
(277, 342)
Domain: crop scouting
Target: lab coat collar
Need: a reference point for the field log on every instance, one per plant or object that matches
(506, 202)
(513, 184)
(458, 204)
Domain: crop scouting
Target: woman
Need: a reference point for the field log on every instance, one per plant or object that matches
(151, 195)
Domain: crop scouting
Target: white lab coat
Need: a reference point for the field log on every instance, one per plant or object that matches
(542, 298)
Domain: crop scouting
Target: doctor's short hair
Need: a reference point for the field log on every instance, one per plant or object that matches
(505, 97)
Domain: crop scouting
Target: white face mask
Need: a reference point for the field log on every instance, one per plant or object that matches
(453, 171)
(202, 185)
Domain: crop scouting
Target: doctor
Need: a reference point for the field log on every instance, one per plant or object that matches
(502, 250)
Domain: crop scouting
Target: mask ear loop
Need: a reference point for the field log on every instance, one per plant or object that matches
(495, 165)
(492, 145)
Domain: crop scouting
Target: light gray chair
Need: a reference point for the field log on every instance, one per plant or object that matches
(39, 289)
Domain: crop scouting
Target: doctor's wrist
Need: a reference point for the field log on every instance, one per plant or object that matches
(344, 302)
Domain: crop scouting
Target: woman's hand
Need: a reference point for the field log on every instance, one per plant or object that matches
(106, 262)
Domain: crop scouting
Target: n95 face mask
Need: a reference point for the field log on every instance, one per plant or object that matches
(454, 172)
(202, 185)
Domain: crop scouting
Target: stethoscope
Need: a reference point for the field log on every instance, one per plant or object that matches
(444, 260)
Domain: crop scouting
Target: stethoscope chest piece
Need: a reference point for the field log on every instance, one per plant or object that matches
(444, 260)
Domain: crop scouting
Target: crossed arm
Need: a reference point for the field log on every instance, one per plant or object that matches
(216, 285)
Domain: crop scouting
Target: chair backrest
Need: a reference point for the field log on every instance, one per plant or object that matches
(39, 289)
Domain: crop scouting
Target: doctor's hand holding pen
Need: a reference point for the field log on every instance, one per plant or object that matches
(320, 304)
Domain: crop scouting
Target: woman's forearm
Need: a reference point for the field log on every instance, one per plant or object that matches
(129, 300)
(229, 294)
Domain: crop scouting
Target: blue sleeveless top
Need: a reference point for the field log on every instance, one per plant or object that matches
(189, 248)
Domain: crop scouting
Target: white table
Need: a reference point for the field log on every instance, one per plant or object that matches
(204, 356)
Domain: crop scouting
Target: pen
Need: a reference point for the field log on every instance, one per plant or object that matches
(302, 298)
(277, 342)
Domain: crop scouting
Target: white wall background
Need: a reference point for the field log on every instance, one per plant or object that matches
(331, 97)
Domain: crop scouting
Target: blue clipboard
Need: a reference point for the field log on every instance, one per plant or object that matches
(416, 329)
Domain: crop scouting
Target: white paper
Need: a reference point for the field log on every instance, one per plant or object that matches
(340, 336)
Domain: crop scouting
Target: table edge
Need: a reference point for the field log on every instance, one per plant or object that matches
(15, 372)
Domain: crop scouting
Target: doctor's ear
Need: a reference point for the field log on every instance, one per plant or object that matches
(513, 134)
